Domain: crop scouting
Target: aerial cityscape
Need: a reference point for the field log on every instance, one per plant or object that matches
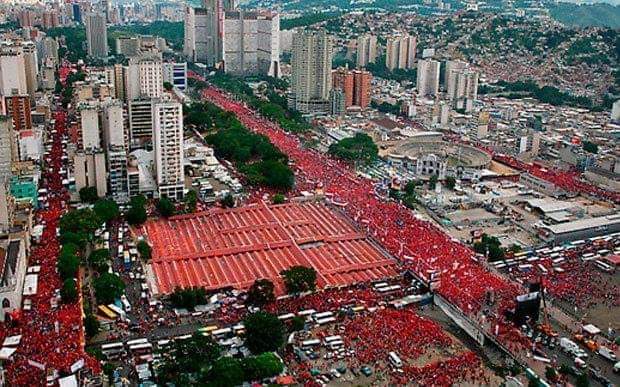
(320, 192)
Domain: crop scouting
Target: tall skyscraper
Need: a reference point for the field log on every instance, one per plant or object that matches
(7, 147)
(31, 67)
(89, 128)
(400, 52)
(361, 88)
(168, 148)
(140, 123)
(113, 123)
(452, 67)
(461, 84)
(19, 109)
(144, 77)
(189, 36)
(342, 79)
(12, 73)
(428, 77)
(366, 50)
(311, 71)
(96, 35)
(207, 35)
(251, 42)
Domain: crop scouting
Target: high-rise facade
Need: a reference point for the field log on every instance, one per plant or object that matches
(207, 35)
(361, 88)
(428, 77)
(140, 113)
(7, 147)
(311, 80)
(168, 148)
(342, 79)
(96, 35)
(13, 73)
(175, 73)
(400, 52)
(461, 85)
(90, 138)
(19, 109)
(143, 77)
(366, 50)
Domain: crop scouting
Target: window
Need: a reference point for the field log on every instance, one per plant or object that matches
(6, 303)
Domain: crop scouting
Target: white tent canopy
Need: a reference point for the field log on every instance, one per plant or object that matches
(591, 329)
(6, 353)
(12, 341)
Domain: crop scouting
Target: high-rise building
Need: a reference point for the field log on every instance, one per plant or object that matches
(452, 67)
(366, 50)
(19, 109)
(144, 77)
(206, 36)
(140, 123)
(113, 123)
(90, 138)
(8, 147)
(90, 171)
(342, 79)
(168, 148)
(311, 71)
(251, 42)
(77, 13)
(128, 46)
(117, 173)
(12, 73)
(189, 33)
(400, 52)
(31, 67)
(461, 85)
(119, 82)
(96, 35)
(337, 101)
(428, 77)
(175, 73)
(361, 88)
(615, 111)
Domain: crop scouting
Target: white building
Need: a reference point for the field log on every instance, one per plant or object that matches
(168, 148)
(400, 52)
(12, 275)
(89, 125)
(251, 43)
(615, 111)
(90, 171)
(428, 77)
(113, 125)
(144, 77)
(13, 74)
(366, 50)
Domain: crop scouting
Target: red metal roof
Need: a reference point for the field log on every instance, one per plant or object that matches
(234, 247)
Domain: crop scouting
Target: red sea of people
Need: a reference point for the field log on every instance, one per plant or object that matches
(52, 332)
(418, 244)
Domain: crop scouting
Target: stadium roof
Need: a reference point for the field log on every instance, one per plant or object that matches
(233, 247)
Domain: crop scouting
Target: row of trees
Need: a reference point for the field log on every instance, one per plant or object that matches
(359, 148)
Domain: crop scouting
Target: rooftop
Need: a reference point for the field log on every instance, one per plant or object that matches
(233, 247)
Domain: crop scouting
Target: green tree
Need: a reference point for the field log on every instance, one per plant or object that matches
(582, 380)
(98, 259)
(360, 148)
(299, 279)
(106, 209)
(137, 212)
(191, 201)
(278, 199)
(227, 201)
(108, 287)
(168, 86)
(297, 323)
(80, 221)
(226, 372)
(145, 250)
(450, 182)
(188, 357)
(591, 147)
(188, 298)
(88, 195)
(432, 182)
(91, 325)
(491, 246)
(165, 206)
(263, 366)
(68, 291)
(67, 264)
(550, 374)
(264, 332)
(261, 293)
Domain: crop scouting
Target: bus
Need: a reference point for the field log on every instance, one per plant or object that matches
(587, 257)
(388, 289)
(395, 360)
(137, 341)
(208, 329)
(525, 268)
(310, 343)
(603, 266)
(533, 259)
(117, 310)
(287, 316)
(329, 339)
(219, 333)
(126, 304)
(543, 269)
(318, 316)
(325, 320)
(141, 349)
(335, 344)
(107, 312)
(307, 312)
(113, 350)
(578, 242)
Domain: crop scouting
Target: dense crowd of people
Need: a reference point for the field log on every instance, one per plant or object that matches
(569, 181)
(52, 331)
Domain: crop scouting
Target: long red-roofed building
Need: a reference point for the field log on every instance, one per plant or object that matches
(233, 247)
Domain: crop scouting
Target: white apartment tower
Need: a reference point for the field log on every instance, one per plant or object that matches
(461, 85)
(13, 74)
(311, 80)
(428, 77)
(89, 125)
(7, 147)
(168, 148)
(251, 42)
(400, 52)
(366, 50)
(144, 78)
(96, 35)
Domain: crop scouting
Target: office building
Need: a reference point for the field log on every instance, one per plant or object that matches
(175, 73)
(206, 34)
(366, 50)
(113, 123)
(400, 52)
(311, 80)
(119, 82)
(96, 35)
(31, 66)
(355, 86)
(189, 33)
(128, 46)
(251, 43)
(19, 109)
(168, 148)
(428, 77)
(117, 173)
(140, 123)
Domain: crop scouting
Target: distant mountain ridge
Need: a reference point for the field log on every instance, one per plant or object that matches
(587, 15)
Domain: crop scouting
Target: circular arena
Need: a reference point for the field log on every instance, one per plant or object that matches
(426, 144)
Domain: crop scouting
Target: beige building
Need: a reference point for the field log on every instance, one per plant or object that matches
(90, 171)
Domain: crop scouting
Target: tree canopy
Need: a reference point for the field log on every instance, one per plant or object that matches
(264, 332)
(108, 287)
(261, 293)
(299, 279)
(88, 194)
(144, 249)
(68, 291)
(106, 209)
(137, 211)
(79, 221)
(491, 245)
(165, 207)
(98, 259)
(188, 298)
(357, 148)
